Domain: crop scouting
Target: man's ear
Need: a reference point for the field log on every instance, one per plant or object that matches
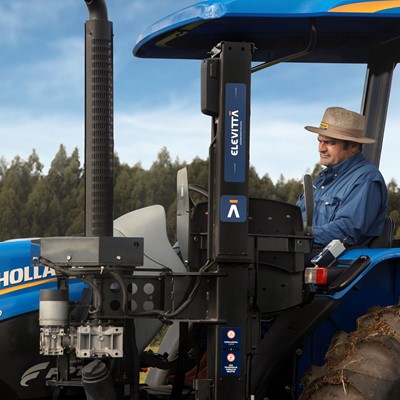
(355, 147)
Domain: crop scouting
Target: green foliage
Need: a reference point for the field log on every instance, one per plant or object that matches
(394, 205)
(34, 204)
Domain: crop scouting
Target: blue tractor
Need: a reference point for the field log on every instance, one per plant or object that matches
(78, 312)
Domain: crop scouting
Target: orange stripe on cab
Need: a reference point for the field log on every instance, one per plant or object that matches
(366, 7)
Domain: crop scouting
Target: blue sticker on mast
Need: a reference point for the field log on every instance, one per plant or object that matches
(235, 132)
(233, 208)
(231, 343)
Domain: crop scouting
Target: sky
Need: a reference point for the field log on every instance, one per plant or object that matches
(157, 102)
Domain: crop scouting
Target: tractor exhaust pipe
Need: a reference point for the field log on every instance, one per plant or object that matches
(99, 121)
(97, 9)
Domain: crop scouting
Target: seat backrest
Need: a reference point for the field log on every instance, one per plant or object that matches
(386, 237)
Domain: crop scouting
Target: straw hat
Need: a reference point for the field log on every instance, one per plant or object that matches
(339, 123)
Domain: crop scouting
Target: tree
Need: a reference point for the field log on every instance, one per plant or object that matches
(394, 205)
(162, 186)
(33, 204)
(130, 189)
(16, 185)
(267, 188)
(56, 201)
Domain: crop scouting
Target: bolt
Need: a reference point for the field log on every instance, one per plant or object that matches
(299, 352)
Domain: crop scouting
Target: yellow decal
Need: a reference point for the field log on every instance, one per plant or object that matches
(366, 6)
(26, 285)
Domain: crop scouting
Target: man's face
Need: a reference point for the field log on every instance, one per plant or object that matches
(332, 152)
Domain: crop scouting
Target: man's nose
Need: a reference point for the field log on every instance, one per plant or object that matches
(322, 146)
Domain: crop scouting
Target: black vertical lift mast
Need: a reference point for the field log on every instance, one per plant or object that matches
(226, 97)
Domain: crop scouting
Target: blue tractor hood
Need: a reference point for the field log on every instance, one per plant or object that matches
(345, 31)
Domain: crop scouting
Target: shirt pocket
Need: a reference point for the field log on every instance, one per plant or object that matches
(326, 209)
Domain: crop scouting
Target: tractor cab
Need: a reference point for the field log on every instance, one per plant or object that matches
(234, 39)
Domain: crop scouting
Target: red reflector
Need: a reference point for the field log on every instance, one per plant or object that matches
(322, 276)
(316, 275)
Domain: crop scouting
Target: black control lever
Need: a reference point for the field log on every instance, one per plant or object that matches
(309, 202)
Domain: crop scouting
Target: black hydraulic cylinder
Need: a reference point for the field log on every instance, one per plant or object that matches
(97, 382)
(99, 121)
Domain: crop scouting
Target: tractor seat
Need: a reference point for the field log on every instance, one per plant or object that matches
(385, 239)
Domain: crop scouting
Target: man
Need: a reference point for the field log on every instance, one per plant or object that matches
(350, 194)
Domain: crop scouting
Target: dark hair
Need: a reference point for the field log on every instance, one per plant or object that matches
(347, 143)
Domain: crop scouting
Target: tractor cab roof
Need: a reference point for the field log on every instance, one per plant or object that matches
(334, 31)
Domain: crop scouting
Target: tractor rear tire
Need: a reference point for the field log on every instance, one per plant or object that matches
(363, 365)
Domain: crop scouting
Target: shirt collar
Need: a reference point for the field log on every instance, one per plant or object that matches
(343, 166)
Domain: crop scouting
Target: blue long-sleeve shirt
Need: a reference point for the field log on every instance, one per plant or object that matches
(350, 199)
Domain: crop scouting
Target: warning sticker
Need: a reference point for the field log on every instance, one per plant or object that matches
(230, 351)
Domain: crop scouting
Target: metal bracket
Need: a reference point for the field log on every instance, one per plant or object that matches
(203, 389)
